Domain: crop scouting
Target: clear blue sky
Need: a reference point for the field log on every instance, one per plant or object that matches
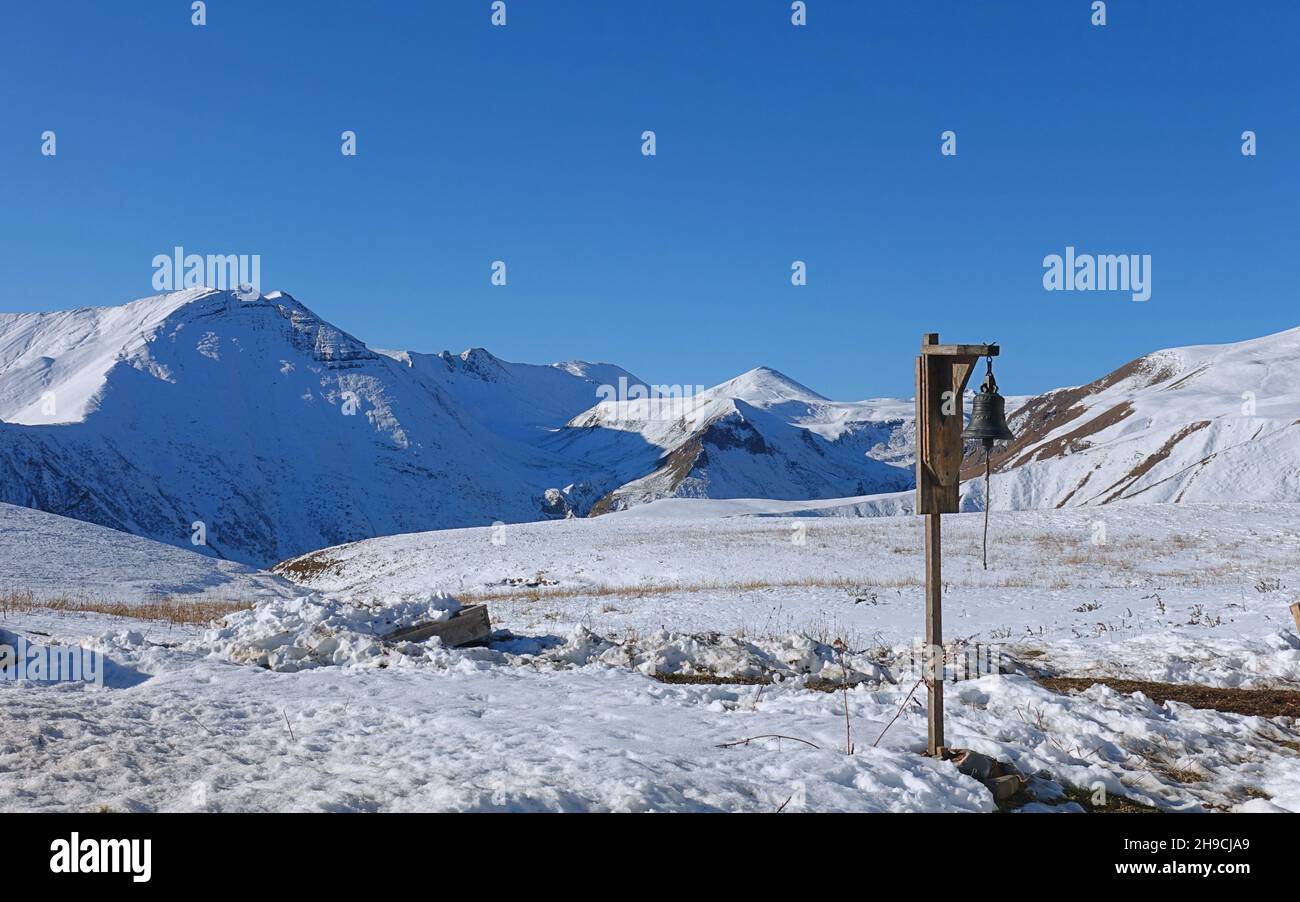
(775, 143)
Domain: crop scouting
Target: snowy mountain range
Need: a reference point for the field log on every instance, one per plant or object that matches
(255, 431)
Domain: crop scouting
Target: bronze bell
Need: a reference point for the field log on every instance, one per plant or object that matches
(988, 418)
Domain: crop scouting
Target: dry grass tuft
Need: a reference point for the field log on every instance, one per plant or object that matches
(304, 568)
(169, 610)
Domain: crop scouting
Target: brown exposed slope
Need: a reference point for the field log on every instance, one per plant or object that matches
(1036, 421)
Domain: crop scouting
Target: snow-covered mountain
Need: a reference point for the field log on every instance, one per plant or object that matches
(1206, 423)
(518, 400)
(272, 429)
(254, 430)
(760, 435)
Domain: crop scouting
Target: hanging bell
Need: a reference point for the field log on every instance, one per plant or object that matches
(988, 418)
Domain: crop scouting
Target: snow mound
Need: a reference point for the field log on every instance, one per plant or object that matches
(703, 654)
(288, 635)
(319, 630)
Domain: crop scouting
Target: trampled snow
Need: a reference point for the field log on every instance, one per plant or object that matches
(567, 708)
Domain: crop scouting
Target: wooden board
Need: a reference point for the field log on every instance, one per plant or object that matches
(959, 350)
(924, 491)
(1295, 612)
(469, 625)
(942, 373)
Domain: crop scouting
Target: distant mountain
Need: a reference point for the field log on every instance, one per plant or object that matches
(760, 435)
(517, 400)
(1206, 423)
(266, 432)
(200, 407)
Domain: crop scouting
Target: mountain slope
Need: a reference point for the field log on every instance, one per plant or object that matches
(273, 429)
(1203, 423)
(518, 400)
(55, 557)
(54, 365)
(761, 435)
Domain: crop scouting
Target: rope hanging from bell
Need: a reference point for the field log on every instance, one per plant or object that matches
(988, 423)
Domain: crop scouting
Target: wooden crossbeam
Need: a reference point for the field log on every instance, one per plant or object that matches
(960, 350)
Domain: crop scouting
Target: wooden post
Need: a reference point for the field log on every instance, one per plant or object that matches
(1295, 612)
(942, 372)
(934, 631)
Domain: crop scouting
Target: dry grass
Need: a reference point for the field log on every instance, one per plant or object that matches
(812, 684)
(1179, 559)
(1181, 775)
(1251, 702)
(543, 593)
(304, 568)
(1113, 804)
(169, 610)
(854, 585)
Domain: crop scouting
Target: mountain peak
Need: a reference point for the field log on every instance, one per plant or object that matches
(478, 362)
(478, 356)
(764, 385)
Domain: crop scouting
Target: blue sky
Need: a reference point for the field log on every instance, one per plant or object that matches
(775, 144)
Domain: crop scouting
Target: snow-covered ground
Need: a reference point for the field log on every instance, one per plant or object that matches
(563, 712)
(1096, 588)
(57, 557)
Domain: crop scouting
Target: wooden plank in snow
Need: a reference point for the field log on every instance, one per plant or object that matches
(467, 626)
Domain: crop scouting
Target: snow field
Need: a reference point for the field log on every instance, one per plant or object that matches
(486, 729)
(295, 706)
